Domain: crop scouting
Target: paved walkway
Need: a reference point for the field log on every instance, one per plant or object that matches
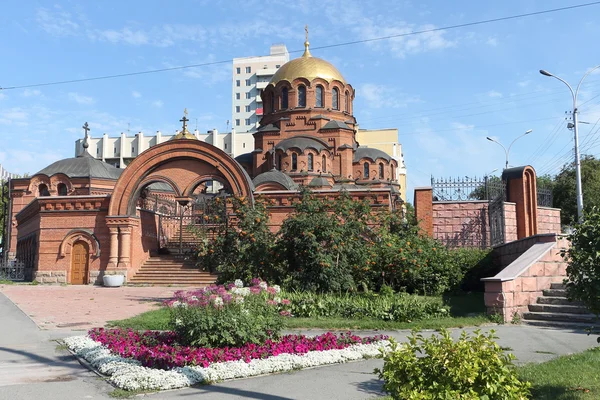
(32, 367)
(83, 307)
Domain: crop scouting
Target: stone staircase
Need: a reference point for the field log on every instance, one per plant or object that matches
(174, 268)
(553, 309)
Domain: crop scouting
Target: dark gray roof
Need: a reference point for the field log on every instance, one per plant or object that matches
(160, 187)
(83, 166)
(333, 124)
(320, 116)
(275, 176)
(268, 128)
(372, 154)
(319, 181)
(345, 146)
(250, 183)
(245, 158)
(302, 143)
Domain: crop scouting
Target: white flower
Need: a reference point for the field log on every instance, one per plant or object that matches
(241, 291)
(194, 298)
(178, 303)
(178, 321)
(277, 288)
(239, 299)
(238, 283)
(277, 300)
(218, 301)
(263, 285)
(245, 311)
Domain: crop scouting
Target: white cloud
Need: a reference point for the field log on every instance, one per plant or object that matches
(157, 103)
(379, 96)
(524, 83)
(136, 94)
(15, 115)
(125, 35)
(31, 93)
(2, 96)
(494, 94)
(492, 41)
(56, 22)
(80, 99)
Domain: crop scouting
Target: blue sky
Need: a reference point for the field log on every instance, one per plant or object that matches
(445, 91)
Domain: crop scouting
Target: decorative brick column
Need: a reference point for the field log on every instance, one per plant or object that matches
(125, 247)
(521, 189)
(113, 258)
(424, 209)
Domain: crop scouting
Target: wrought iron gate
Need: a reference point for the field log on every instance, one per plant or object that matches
(497, 223)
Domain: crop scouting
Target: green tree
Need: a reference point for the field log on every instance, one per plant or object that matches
(564, 188)
(492, 190)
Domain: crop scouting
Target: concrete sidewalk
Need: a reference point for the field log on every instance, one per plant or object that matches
(32, 367)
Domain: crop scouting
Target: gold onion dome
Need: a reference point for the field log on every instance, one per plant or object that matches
(308, 67)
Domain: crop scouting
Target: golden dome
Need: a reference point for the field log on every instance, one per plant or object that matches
(308, 67)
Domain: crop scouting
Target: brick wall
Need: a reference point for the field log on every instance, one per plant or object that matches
(549, 220)
(461, 223)
(510, 222)
(424, 209)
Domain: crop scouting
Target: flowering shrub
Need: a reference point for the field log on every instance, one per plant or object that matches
(231, 315)
(161, 349)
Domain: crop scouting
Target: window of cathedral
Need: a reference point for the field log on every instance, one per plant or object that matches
(43, 191)
(319, 96)
(311, 162)
(335, 99)
(301, 96)
(366, 170)
(62, 189)
(272, 102)
(284, 98)
(294, 161)
(393, 171)
(324, 167)
(279, 162)
(380, 170)
(347, 102)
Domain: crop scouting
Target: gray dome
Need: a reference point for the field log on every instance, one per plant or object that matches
(302, 143)
(275, 176)
(245, 158)
(319, 181)
(83, 166)
(370, 153)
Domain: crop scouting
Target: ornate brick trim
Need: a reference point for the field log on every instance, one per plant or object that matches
(75, 235)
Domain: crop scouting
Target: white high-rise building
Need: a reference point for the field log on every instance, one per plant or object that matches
(250, 75)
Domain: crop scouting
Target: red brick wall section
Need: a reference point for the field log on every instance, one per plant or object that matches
(453, 218)
(424, 209)
(549, 220)
(510, 222)
(514, 296)
(144, 241)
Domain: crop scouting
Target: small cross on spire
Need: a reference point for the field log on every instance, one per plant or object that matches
(306, 43)
(306, 31)
(86, 128)
(184, 120)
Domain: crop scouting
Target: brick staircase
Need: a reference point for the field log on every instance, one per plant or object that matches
(173, 268)
(553, 309)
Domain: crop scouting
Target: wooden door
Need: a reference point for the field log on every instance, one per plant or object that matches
(79, 263)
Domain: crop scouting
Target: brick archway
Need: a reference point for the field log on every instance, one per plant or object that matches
(186, 161)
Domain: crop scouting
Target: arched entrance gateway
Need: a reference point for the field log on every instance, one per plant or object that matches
(183, 165)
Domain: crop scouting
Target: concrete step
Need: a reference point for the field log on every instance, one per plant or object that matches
(557, 286)
(557, 301)
(555, 292)
(560, 317)
(558, 308)
(561, 325)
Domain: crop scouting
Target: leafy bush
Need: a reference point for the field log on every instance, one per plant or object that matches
(217, 316)
(473, 265)
(583, 258)
(473, 367)
(400, 307)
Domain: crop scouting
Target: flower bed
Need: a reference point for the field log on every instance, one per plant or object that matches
(126, 356)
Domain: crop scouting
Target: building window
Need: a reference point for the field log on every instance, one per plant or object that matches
(237, 122)
(97, 152)
(393, 171)
(272, 101)
(310, 162)
(301, 96)
(62, 189)
(248, 70)
(247, 108)
(238, 70)
(294, 161)
(319, 95)
(284, 98)
(277, 66)
(335, 99)
(324, 166)
(237, 109)
(248, 96)
(237, 83)
(237, 96)
(248, 82)
(132, 150)
(347, 102)
(247, 121)
(366, 170)
(43, 191)
(381, 170)
(225, 146)
(279, 161)
(244, 145)
(115, 151)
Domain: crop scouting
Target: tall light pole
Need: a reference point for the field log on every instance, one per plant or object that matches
(507, 151)
(577, 158)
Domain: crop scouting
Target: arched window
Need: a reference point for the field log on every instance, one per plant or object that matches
(284, 98)
(324, 167)
(335, 99)
(310, 162)
(380, 170)
(43, 191)
(272, 101)
(279, 161)
(366, 170)
(347, 102)
(393, 171)
(294, 161)
(301, 96)
(62, 189)
(319, 95)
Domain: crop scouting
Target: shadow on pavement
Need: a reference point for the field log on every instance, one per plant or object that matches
(247, 394)
(61, 361)
(373, 386)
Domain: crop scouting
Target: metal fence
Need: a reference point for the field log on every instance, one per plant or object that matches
(545, 197)
(466, 188)
(12, 270)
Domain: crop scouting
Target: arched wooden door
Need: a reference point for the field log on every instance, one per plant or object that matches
(79, 263)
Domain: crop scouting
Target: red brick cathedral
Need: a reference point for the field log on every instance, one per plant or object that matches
(80, 218)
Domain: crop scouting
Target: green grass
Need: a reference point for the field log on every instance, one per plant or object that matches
(6, 282)
(152, 320)
(573, 377)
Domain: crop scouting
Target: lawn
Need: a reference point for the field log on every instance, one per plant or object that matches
(465, 310)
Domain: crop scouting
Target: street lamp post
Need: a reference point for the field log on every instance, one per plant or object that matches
(507, 151)
(575, 132)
